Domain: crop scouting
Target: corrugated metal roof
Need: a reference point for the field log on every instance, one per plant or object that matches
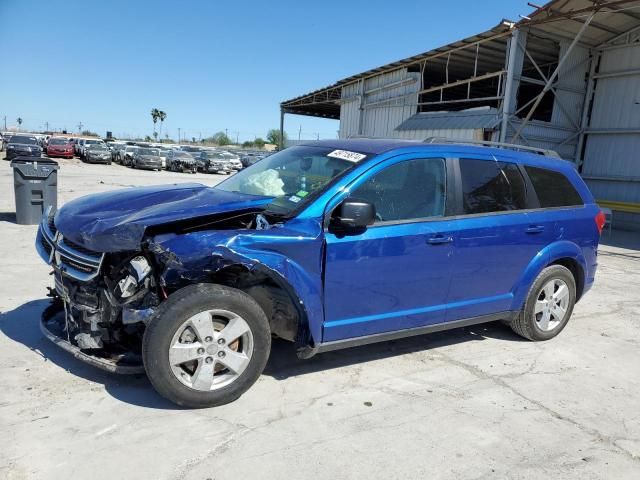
(464, 120)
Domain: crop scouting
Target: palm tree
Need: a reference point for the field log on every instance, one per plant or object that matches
(19, 120)
(154, 116)
(161, 115)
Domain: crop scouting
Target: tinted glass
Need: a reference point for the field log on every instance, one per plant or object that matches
(491, 186)
(406, 191)
(23, 140)
(553, 188)
(58, 141)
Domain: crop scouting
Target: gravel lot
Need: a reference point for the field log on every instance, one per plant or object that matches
(477, 402)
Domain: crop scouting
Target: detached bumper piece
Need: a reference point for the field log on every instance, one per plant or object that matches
(52, 325)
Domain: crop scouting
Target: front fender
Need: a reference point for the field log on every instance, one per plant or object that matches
(548, 255)
(293, 257)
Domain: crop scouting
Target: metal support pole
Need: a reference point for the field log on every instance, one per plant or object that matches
(508, 89)
(584, 119)
(553, 76)
(281, 146)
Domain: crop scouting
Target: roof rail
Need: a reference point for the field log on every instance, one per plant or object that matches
(508, 146)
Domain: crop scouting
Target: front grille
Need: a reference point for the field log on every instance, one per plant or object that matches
(68, 257)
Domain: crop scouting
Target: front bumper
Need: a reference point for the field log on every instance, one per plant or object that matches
(52, 325)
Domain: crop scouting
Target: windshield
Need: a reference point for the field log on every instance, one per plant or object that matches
(131, 149)
(97, 146)
(23, 140)
(58, 141)
(93, 142)
(292, 176)
(182, 155)
(148, 151)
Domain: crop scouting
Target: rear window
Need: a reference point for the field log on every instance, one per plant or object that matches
(491, 186)
(553, 188)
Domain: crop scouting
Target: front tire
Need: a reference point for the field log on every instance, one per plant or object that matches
(549, 305)
(206, 345)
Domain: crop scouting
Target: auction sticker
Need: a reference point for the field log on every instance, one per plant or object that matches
(346, 155)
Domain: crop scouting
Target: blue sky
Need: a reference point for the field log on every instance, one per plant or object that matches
(210, 65)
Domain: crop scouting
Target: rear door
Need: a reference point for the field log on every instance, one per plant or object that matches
(495, 239)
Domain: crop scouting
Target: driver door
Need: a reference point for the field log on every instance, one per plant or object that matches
(395, 275)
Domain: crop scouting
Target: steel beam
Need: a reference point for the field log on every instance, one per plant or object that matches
(554, 75)
(509, 83)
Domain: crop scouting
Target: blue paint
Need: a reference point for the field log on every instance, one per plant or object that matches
(389, 277)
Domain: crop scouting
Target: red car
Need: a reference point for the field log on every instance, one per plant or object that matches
(60, 147)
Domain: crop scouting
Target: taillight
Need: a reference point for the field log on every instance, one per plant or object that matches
(600, 221)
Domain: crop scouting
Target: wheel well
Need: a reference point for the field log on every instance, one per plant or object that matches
(275, 297)
(576, 270)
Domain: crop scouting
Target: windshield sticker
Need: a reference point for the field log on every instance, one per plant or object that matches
(346, 155)
(294, 199)
(302, 194)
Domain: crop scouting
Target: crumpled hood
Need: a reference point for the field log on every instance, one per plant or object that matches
(116, 221)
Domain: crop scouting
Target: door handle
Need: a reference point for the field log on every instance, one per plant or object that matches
(535, 229)
(439, 239)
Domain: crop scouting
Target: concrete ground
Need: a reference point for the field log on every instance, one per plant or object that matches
(474, 403)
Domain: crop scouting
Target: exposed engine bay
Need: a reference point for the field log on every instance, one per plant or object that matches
(103, 302)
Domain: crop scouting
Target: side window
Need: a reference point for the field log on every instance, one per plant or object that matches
(407, 190)
(491, 186)
(553, 188)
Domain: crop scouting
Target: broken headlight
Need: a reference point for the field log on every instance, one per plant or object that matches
(136, 277)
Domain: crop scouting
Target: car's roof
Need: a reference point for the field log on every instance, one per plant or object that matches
(379, 146)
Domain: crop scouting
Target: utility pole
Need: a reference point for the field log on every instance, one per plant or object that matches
(237, 137)
(80, 127)
(178, 135)
(5, 123)
(46, 126)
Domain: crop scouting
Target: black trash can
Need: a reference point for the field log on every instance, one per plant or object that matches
(35, 184)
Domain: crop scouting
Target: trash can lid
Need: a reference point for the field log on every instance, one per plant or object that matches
(25, 160)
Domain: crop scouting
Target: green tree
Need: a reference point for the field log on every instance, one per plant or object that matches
(273, 136)
(221, 138)
(155, 115)
(147, 138)
(259, 142)
(161, 116)
(89, 133)
(19, 120)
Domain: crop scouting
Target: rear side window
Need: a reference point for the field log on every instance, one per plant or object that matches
(553, 188)
(491, 186)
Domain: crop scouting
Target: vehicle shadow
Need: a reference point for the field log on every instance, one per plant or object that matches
(8, 217)
(22, 325)
(283, 362)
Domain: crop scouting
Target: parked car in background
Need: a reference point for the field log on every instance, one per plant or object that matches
(163, 151)
(97, 153)
(234, 160)
(60, 147)
(90, 141)
(329, 244)
(23, 146)
(125, 155)
(116, 148)
(77, 146)
(179, 161)
(250, 158)
(147, 158)
(213, 161)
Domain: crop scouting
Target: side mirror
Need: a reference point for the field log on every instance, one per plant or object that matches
(352, 216)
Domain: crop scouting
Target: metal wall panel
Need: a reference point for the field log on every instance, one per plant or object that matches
(392, 100)
(461, 134)
(567, 109)
(616, 105)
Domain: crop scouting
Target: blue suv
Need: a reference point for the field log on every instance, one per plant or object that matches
(329, 244)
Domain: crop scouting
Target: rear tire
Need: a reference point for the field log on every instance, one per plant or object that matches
(188, 383)
(549, 305)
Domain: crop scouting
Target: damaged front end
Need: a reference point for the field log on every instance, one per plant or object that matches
(101, 302)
